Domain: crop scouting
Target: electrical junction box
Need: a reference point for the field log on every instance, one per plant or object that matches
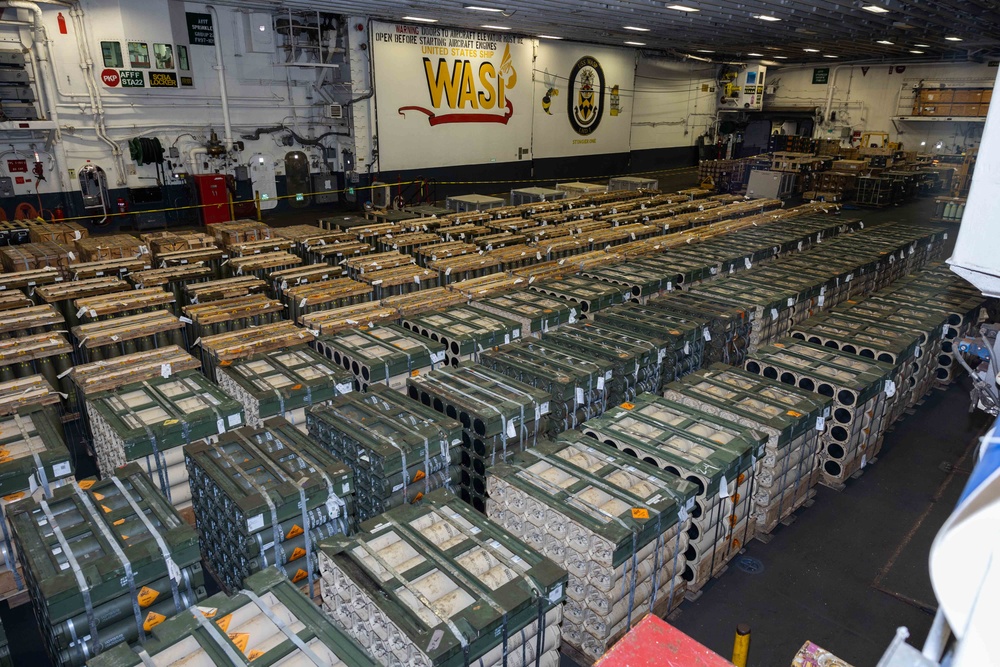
(751, 83)
(260, 33)
(6, 186)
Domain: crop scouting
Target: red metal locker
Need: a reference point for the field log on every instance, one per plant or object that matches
(213, 197)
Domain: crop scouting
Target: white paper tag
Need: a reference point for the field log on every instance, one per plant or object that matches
(544, 409)
(724, 487)
(791, 301)
(302, 303)
(661, 356)
(80, 312)
(165, 370)
(946, 236)
(707, 336)
(687, 347)
(820, 423)
(746, 262)
(173, 571)
(506, 339)
(447, 271)
(185, 320)
(864, 460)
(511, 431)
(774, 314)
(890, 388)
(255, 523)
(670, 286)
(556, 594)
(235, 420)
(800, 246)
(416, 279)
(220, 424)
(579, 396)
(61, 469)
(600, 383)
(821, 300)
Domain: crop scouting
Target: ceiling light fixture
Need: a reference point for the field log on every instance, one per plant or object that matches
(884, 41)
(756, 55)
(954, 39)
(875, 9)
(419, 19)
(495, 27)
(637, 29)
(480, 8)
(765, 17)
(811, 50)
(829, 56)
(917, 52)
(782, 57)
(683, 8)
(922, 46)
(705, 51)
(548, 37)
(636, 43)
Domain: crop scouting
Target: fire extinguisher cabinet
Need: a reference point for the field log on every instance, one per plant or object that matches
(213, 197)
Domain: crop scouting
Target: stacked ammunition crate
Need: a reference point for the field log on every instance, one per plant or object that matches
(172, 279)
(149, 421)
(860, 388)
(438, 584)
(728, 326)
(718, 455)
(45, 354)
(959, 302)
(225, 348)
(225, 288)
(635, 361)
(620, 532)
(398, 449)
(536, 313)
(499, 416)
(265, 497)
(684, 336)
(106, 339)
(347, 317)
(262, 264)
(30, 320)
(381, 354)
(62, 295)
(105, 562)
(464, 331)
(324, 295)
(271, 622)
(592, 295)
(578, 383)
(793, 419)
(34, 460)
(282, 383)
(120, 304)
(236, 314)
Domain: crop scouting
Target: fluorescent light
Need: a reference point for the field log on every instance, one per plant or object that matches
(954, 39)
(756, 55)
(548, 37)
(875, 9)
(922, 46)
(781, 57)
(917, 52)
(765, 17)
(826, 56)
(705, 51)
(811, 50)
(683, 8)
(637, 29)
(636, 43)
(419, 19)
(885, 41)
(479, 8)
(495, 27)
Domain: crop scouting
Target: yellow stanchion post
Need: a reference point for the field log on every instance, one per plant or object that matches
(741, 646)
(256, 203)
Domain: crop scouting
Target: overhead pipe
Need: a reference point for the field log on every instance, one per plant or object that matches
(223, 90)
(96, 99)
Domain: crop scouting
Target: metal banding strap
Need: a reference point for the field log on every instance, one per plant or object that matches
(38, 462)
(219, 637)
(285, 630)
(126, 563)
(146, 660)
(9, 558)
(173, 572)
(75, 567)
(161, 469)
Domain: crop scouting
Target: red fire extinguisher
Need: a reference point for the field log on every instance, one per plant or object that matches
(122, 205)
(62, 24)
(58, 213)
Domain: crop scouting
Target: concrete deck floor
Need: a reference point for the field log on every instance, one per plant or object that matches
(845, 574)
